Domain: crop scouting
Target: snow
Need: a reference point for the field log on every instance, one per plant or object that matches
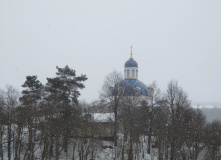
(103, 117)
(202, 106)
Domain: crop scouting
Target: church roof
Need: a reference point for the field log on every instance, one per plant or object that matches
(131, 86)
(131, 63)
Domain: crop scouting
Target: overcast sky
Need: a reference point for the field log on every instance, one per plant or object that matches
(171, 40)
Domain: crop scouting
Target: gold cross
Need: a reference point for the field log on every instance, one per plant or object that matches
(131, 52)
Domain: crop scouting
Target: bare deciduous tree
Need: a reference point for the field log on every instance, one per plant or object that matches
(109, 95)
(153, 98)
(177, 101)
(9, 102)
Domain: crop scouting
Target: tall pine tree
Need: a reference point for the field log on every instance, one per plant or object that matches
(64, 91)
(31, 97)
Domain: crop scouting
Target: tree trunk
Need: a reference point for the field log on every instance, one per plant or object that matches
(130, 150)
(130, 140)
(149, 140)
(9, 140)
(73, 152)
(172, 154)
(20, 145)
(51, 147)
(160, 155)
(45, 149)
(1, 135)
(115, 125)
(17, 142)
(30, 142)
(123, 151)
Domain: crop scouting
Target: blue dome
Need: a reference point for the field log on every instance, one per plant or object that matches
(131, 63)
(130, 88)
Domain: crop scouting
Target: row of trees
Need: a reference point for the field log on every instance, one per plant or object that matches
(47, 122)
(165, 120)
(42, 118)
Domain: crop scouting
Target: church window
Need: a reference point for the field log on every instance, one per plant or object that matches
(136, 73)
(128, 73)
(133, 74)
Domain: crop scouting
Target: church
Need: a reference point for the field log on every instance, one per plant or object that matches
(131, 86)
(103, 116)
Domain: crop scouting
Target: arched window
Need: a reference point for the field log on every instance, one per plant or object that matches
(136, 73)
(128, 73)
(133, 73)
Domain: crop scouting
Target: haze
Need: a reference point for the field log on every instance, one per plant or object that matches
(171, 40)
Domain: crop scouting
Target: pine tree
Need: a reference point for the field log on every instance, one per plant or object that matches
(63, 91)
(30, 100)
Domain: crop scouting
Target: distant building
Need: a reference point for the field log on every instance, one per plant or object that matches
(102, 117)
(131, 86)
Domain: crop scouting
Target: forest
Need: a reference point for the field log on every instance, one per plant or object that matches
(47, 122)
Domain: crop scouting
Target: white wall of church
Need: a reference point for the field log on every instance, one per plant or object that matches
(131, 73)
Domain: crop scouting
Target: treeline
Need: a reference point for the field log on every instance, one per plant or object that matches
(166, 122)
(42, 119)
(47, 122)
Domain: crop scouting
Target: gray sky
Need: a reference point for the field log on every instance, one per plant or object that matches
(171, 40)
